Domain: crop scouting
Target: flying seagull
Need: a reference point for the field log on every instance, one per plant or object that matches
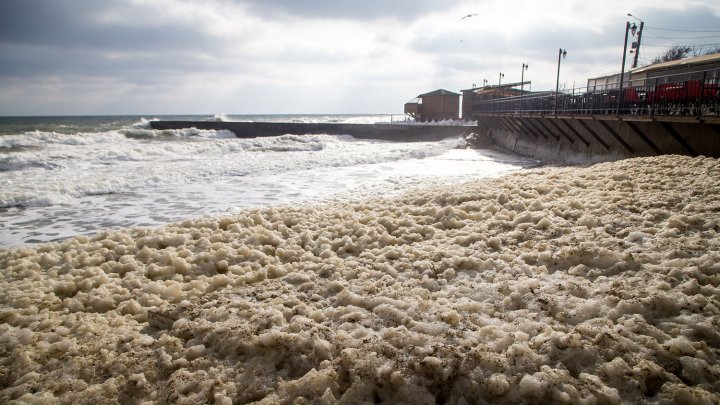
(469, 15)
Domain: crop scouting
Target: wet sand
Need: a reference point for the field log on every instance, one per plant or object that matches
(564, 285)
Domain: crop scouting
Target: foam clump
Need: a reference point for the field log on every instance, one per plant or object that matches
(552, 285)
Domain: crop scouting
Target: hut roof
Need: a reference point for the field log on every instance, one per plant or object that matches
(440, 92)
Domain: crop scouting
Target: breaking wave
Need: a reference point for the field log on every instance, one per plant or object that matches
(144, 133)
(48, 168)
(144, 123)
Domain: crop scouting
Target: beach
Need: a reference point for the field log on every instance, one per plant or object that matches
(587, 285)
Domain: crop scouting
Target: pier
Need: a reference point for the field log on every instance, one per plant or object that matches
(673, 114)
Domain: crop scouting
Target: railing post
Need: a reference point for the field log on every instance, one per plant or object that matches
(702, 94)
(686, 98)
(654, 96)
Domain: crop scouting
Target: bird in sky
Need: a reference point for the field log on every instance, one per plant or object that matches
(469, 16)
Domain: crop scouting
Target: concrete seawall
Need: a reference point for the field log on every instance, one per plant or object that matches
(388, 132)
(561, 139)
(587, 139)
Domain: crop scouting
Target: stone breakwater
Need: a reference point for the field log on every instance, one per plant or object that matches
(565, 285)
(390, 132)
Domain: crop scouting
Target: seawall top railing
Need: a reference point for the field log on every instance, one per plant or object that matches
(674, 95)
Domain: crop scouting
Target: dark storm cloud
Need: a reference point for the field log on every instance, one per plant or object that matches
(96, 38)
(348, 9)
(80, 24)
(34, 61)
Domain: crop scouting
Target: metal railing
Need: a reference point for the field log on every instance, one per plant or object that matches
(696, 94)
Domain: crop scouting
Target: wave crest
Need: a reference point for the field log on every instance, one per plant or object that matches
(144, 123)
(142, 133)
(220, 118)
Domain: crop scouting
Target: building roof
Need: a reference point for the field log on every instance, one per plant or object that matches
(440, 92)
(503, 86)
(698, 60)
(416, 100)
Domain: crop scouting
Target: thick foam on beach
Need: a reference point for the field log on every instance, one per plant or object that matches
(555, 285)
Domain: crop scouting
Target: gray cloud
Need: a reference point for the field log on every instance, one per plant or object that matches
(78, 24)
(69, 38)
(657, 38)
(348, 9)
(543, 44)
(123, 46)
(37, 61)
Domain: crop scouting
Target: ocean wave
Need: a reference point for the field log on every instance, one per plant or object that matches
(289, 143)
(144, 123)
(62, 192)
(16, 148)
(42, 139)
(143, 133)
(12, 163)
(143, 159)
(31, 200)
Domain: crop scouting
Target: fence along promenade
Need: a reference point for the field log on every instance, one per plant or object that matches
(674, 114)
(689, 95)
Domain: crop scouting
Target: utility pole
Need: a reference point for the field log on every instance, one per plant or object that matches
(637, 48)
(639, 39)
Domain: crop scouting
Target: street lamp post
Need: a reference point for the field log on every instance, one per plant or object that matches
(562, 55)
(522, 82)
(498, 94)
(622, 68)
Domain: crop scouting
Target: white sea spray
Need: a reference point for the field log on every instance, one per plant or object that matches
(61, 167)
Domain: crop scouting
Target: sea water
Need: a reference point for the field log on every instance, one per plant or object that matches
(66, 176)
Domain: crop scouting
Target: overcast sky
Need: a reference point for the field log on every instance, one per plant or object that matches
(78, 57)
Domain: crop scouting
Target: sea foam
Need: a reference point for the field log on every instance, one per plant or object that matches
(59, 167)
(529, 288)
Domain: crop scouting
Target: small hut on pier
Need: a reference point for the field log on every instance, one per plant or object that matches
(434, 106)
